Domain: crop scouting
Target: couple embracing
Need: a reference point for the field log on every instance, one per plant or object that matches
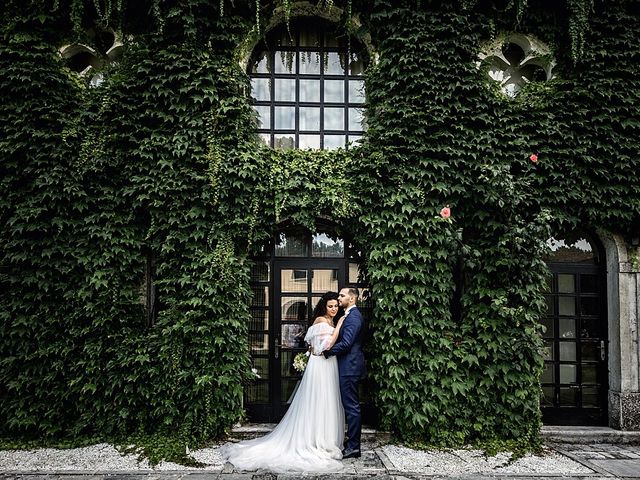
(310, 436)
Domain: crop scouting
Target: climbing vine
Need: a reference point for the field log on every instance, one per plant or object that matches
(159, 167)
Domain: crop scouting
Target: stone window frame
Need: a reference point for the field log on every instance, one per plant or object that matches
(512, 70)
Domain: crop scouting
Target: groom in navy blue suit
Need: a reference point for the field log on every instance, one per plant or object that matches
(348, 349)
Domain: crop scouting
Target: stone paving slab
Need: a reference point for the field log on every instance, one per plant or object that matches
(620, 468)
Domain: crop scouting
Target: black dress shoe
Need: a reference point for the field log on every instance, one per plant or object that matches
(350, 453)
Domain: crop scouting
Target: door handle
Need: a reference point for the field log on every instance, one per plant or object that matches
(602, 350)
(277, 348)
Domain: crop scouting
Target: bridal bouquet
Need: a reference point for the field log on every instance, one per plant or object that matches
(300, 361)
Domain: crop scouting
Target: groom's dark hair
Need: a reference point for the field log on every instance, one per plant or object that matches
(354, 292)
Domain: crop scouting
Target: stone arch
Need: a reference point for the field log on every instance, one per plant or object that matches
(299, 10)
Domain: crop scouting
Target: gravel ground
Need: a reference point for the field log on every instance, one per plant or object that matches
(104, 457)
(474, 461)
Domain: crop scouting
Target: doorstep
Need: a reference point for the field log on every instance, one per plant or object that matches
(253, 430)
(587, 435)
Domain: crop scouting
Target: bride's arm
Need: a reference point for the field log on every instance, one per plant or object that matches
(334, 336)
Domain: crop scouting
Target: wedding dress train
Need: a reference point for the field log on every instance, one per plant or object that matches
(309, 437)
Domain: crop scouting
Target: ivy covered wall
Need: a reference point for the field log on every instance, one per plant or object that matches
(157, 173)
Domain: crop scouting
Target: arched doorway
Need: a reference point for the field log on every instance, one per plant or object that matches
(287, 282)
(575, 378)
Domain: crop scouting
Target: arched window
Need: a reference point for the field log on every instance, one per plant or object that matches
(308, 87)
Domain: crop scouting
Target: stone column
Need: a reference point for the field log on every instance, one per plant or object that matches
(623, 289)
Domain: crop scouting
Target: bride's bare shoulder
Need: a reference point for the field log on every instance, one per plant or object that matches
(320, 320)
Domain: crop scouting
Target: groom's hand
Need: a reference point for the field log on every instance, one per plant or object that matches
(326, 354)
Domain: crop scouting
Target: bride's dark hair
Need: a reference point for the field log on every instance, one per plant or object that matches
(321, 307)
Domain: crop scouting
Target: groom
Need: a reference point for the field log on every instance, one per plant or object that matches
(348, 349)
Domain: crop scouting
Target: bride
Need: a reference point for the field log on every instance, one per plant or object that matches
(309, 437)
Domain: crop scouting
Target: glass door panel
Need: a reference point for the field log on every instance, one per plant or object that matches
(574, 380)
(287, 284)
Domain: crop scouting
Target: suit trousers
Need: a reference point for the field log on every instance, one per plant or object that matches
(351, 405)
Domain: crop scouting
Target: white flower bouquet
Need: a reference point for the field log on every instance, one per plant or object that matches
(300, 361)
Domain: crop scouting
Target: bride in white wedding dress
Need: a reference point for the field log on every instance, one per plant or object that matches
(309, 437)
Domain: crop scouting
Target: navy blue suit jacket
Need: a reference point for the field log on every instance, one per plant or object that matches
(348, 346)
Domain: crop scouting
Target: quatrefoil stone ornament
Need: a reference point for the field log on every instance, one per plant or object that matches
(515, 60)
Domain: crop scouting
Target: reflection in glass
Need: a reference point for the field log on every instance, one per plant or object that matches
(309, 141)
(356, 91)
(286, 38)
(285, 62)
(291, 245)
(590, 352)
(284, 141)
(334, 91)
(590, 397)
(566, 283)
(289, 388)
(589, 283)
(285, 90)
(568, 373)
(264, 116)
(310, 118)
(309, 90)
(356, 119)
(324, 280)
(259, 320)
(331, 142)
(257, 393)
(547, 322)
(265, 138)
(548, 350)
(547, 374)
(334, 63)
(293, 309)
(324, 246)
(293, 335)
(260, 296)
(354, 140)
(589, 374)
(311, 63)
(286, 364)
(260, 89)
(567, 306)
(365, 301)
(569, 397)
(589, 306)
(293, 280)
(354, 272)
(259, 343)
(550, 305)
(309, 38)
(334, 118)
(589, 328)
(356, 65)
(260, 272)
(261, 63)
(567, 328)
(261, 368)
(285, 118)
(548, 396)
(568, 351)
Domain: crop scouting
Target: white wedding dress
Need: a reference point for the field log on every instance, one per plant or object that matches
(309, 437)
